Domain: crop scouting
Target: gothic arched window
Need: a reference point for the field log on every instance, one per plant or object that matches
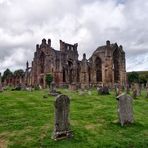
(116, 65)
(42, 59)
(98, 65)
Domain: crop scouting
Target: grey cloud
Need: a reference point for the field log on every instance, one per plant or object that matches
(88, 22)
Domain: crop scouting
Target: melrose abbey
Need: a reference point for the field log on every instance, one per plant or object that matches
(106, 66)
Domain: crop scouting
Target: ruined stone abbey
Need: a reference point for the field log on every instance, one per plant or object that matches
(106, 66)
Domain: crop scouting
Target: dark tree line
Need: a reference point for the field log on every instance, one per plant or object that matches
(137, 77)
(8, 73)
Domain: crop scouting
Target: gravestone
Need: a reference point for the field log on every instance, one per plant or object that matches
(103, 90)
(52, 90)
(1, 88)
(52, 87)
(125, 109)
(62, 125)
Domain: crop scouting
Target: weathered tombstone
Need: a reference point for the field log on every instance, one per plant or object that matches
(103, 90)
(125, 109)
(52, 87)
(62, 125)
(1, 88)
(53, 91)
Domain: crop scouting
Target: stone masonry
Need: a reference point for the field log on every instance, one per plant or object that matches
(106, 65)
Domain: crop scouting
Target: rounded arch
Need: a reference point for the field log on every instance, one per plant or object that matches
(98, 67)
(116, 55)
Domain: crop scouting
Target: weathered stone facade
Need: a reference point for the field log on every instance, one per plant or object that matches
(106, 66)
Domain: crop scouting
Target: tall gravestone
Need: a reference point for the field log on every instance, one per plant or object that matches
(62, 125)
(125, 109)
(1, 88)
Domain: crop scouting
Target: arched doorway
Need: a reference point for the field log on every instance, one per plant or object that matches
(98, 66)
(116, 66)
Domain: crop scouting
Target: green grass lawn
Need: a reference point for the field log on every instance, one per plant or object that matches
(27, 120)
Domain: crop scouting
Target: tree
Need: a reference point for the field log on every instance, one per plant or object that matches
(19, 73)
(142, 79)
(49, 79)
(133, 77)
(7, 74)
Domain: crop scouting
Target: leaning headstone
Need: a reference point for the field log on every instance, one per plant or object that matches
(125, 109)
(62, 125)
(1, 88)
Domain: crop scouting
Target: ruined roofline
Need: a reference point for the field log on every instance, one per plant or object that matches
(47, 43)
(68, 44)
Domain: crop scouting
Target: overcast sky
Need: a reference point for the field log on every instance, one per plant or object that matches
(23, 24)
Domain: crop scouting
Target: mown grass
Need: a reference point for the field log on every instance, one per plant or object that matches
(27, 121)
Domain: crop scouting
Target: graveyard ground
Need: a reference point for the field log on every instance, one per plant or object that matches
(27, 120)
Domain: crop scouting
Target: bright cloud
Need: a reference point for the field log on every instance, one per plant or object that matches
(89, 22)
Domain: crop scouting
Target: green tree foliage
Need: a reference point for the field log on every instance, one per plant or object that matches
(19, 73)
(48, 79)
(138, 77)
(133, 77)
(7, 74)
